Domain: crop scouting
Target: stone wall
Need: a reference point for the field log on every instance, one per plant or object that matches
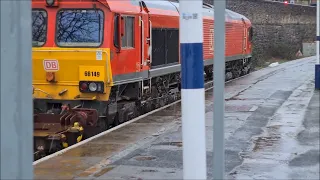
(279, 30)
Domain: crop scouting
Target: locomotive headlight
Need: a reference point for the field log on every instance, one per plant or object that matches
(93, 86)
(50, 2)
(84, 86)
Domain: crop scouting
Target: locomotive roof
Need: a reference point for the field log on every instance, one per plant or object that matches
(208, 10)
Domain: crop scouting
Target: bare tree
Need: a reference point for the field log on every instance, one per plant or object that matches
(77, 26)
(39, 27)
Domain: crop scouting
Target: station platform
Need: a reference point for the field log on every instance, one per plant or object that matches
(271, 132)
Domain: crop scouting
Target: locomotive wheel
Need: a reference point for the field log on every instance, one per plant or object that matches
(162, 101)
(209, 72)
(209, 75)
(102, 124)
(250, 69)
(236, 73)
(154, 97)
(138, 109)
(116, 120)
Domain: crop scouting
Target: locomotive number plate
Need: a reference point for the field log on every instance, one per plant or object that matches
(91, 73)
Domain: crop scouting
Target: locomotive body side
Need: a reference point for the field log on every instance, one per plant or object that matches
(133, 62)
(164, 17)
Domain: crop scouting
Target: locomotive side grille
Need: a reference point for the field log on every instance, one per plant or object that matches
(165, 46)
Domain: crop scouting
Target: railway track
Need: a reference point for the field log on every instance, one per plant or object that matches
(207, 85)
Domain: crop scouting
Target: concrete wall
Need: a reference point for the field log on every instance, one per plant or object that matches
(279, 30)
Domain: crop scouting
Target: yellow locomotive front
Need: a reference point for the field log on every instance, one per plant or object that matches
(72, 77)
(71, 74)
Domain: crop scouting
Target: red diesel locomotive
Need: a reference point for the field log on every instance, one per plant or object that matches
(98, 63)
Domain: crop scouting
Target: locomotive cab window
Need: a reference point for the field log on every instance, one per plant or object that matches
(250, 33)
(127, 40)
(79, 28)
(39, 27)
(116, 31)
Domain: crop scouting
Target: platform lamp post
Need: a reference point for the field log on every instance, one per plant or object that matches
(16, 90)
(192, 90)
(317, 66)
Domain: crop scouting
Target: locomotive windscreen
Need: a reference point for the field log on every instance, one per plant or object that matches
(79, 28)
(39, 27)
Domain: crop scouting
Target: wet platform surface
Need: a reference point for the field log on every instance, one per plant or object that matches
(271, 132)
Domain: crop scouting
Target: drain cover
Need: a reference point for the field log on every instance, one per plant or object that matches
(241, 108)
(144, 158)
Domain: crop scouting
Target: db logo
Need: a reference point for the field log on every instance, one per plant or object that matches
(51, 65)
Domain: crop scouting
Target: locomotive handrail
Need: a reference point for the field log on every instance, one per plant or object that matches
(207, 5)
(150, 41)
(70, 50)
(142, 41)
(48, 94)
(142, 50)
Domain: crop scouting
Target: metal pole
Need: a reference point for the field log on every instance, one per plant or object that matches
(192, 91)
(16, 91)
(218, 89)
(318, 29)
(317, 66)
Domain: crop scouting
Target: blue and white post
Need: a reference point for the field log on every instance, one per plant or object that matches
(192, 91)
(317, 67)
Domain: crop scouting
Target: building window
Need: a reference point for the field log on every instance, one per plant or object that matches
(127, 40)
